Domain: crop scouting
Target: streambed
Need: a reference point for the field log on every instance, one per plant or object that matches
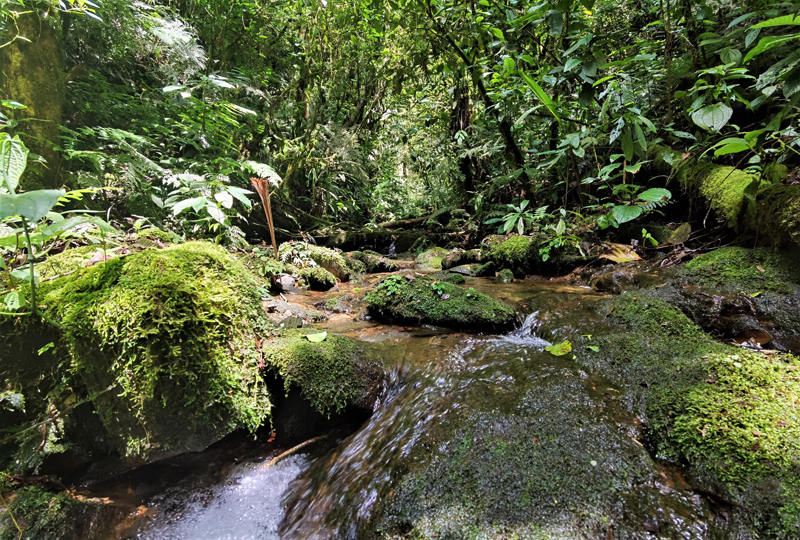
(478, 436)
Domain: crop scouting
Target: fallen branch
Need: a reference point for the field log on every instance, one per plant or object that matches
(399, 224)
(295, 449)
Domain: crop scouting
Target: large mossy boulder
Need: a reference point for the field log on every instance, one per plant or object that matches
(748, 270)
(331, 371)
(424, 300)
(523, 255)
(165, 343)
(726, 412)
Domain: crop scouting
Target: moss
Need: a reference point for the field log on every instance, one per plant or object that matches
(425, 300)
(486, 269)
(326, 372)
(304, 255)
(151, 235)
(318, 279)
(513, 252)
(173, 333)
(45, 516)
(456, 279)
(778, 214)
(748, 270)
(432, 258)
(71, 260)
(723, 187)
(505, 276)
(373, 262)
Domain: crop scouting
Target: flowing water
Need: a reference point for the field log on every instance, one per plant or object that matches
(476, 437)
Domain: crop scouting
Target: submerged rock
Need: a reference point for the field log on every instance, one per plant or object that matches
(424, 300)
(505, 276)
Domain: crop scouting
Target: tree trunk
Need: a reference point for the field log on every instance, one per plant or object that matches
(33, 74)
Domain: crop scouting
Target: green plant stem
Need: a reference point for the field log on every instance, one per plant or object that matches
(30, 263)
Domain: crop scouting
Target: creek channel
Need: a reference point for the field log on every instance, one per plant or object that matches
(477, 436)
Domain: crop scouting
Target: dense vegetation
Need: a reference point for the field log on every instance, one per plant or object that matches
(510, 137)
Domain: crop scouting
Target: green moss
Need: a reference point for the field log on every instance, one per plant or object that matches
(172, 333)
(778, 213)
(326, 372)
(425, 300)
(432, 258)
(70, 260)
(512, 253)
(456, 279)
(44, 516)
(723, 187)
(457, 257)
(505, 276)
(749, 270)
(148, 236)
(304, 255)
(486, 269)
(318, 279)
(373, 262)
(646, 313)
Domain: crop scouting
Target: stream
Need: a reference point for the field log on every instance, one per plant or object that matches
(481, 433)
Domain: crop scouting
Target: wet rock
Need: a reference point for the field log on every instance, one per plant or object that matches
(286, 283)
(279, 311)
(431, 259)
(374, 262)
(459, 257)
(464, 269)
(483, 270)
(423, 300)
(305, 255)
(318, 279)
(505, 276)
(614, 280)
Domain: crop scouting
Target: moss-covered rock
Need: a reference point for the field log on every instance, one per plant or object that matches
(458, 257)
(154, 236)
(165, 342)
(373, 263)
(71, 260)
(432, 258)
(485, 269)
(456, 279)
(515, 253)
(305, 255)
(505, 276)
(318, 279)
(748, 270)
(332, 374)
(725, 412)
(425, 300)
(42, 515)
(723, 187)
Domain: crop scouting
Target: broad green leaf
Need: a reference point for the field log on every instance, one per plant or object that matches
(627, 144)
(317, 338)
(731, 146)
(792, 84)
(559, 349)
(793, 20)
(33, 205)
(542, 95)
(740, 19)
(509, 64)
(173, 88)
(497, 33)
(571, 64)
(731, 56)
(11, 104)
(624, 214)
(712, 117)
(215, 213)
(11, 301)
(593, 348)
(224, 198)
(767, 43)
(188, 203)
(13, 159)
(655, 194)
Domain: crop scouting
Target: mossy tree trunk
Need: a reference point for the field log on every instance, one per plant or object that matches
(747, 202)
(33, 74)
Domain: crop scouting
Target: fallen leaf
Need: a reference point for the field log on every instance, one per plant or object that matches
(760, 269)
(317, 338)
(619, 253)
(445, 296)
(559, 349)
(757, 433)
